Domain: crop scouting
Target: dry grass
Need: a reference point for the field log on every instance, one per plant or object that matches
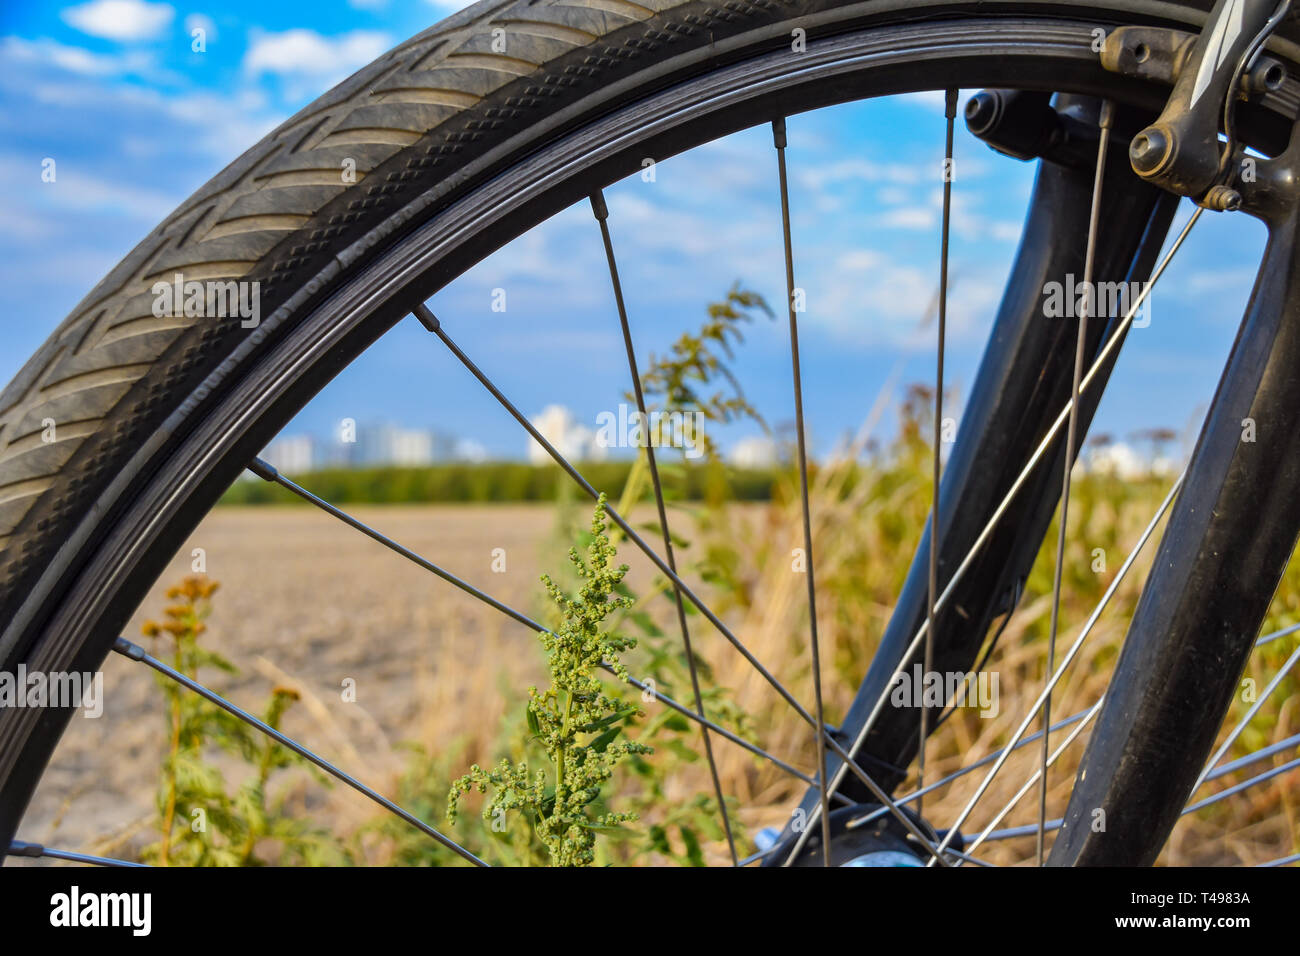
(307, 602)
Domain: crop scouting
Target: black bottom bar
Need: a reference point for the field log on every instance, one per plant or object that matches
(337, 907)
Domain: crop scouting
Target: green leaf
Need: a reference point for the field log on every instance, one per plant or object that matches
(659, 839)
(608, 720)
(678, 723)
(693, 853)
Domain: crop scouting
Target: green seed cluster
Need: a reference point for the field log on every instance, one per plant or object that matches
(578, 725)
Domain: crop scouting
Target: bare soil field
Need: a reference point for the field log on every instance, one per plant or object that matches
(309, 603)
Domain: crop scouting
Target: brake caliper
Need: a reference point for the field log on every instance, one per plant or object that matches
(1182, 151)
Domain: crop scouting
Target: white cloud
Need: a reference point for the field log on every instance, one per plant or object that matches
(302, 52)
(1005, 231)
(225, 125)
(1214, 280)
(908, 217)
(859, 259)
(966, 222)
(201, 21)
(1124, 461)
(73, 59)
(575, 442)
(122, 20)
(933, 100)
(78, 187)
(222, 124)
(467, 449)
(857, 170)
(928, 98)
(871, 297)
(758, 451)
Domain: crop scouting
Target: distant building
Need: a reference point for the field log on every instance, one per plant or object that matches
(1124, 461)
(374, 445)
(574, 441)
(466, 449)
(292, 454)
(756, 452)
(392, 445)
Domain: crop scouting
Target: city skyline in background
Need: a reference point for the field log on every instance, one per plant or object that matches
(387, 444)
(136, 120)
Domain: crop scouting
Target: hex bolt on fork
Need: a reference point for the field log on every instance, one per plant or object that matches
(1181, 150)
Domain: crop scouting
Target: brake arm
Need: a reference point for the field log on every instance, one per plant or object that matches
(1181, 151)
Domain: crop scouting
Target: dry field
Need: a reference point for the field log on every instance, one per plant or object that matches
(307, 602)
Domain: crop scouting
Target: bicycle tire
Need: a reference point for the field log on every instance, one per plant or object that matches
(427, 124)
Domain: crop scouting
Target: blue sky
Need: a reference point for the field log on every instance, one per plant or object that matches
(136, 120)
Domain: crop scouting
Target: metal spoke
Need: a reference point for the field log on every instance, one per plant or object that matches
(1283, 861)
(1025, 472)
(967, 858)
(889, 803)
(137, 653)
(779, 141)
(1013, 832)
(1269, 638)
(721, 731)
(958, 774)
(36, 851)
(1029, 829)
(755, 857)
(1238, 788)
(932, 589)
(431, 322)
(1227, 768)
(1250, 715)
(1230, 767)
(1104, 120)
(266, 471)
(1263, 753)
(1036, 776)
(1069, 656)
(601, 211)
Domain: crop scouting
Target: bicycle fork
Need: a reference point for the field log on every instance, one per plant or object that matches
(1023, 382)
(1235, 524)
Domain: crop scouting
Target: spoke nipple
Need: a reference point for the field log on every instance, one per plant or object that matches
(264, 470)
(427, 318)
(1149, 151)
(778, 132)
(1222, 199)
(598, 205)
(1106, 118)
(129, 649)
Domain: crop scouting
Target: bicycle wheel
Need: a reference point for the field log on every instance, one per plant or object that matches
(460, 148)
